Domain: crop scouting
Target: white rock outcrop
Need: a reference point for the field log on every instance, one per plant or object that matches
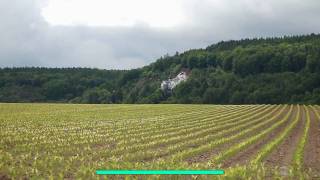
(172, 83)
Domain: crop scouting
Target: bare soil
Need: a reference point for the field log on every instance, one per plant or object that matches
(210, 154)
(4, 177)
(245, 155)
(312, 148)
(205, 156)
(283, 154)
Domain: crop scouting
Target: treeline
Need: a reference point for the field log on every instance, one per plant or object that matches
(249, 71)
(78, 85)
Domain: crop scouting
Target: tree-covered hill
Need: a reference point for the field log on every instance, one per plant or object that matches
(249, 71)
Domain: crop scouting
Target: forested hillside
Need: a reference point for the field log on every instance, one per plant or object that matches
(250, 71)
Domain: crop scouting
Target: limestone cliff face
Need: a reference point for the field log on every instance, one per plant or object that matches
(172, 83)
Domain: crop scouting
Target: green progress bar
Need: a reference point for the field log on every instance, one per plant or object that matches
(160, 172)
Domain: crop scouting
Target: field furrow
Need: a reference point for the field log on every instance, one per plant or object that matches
(312, 148)
(251, 140)
(184, 154)
(190, 141)
(283, 155)
(258, 150)
(195, 132)
(261, 122)
(64, 141)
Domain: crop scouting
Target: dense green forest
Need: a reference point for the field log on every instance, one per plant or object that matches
(249, 71)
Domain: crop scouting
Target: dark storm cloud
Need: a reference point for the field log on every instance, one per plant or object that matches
(27, 40)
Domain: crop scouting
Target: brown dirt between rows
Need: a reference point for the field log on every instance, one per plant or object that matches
(4, 177)
(164, 145)
(245, 155)
(312, 148)
(190, 160)
(208, 155)
(283, 154)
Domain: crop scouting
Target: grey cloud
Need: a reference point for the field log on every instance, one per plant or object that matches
(27, 40)
(230, 19)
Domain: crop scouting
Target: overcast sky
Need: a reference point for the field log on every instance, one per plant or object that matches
(124, 34)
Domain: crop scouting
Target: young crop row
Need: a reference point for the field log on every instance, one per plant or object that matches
(155, 134)
(162, 123)
(251, 139)
(208, 125)
(298, 155)
(196, 138)
(182, 121)
(75, 140)
(275, 142)
(219, 141)
(57, 132)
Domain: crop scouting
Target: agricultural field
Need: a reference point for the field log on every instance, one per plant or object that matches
(64, 141)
